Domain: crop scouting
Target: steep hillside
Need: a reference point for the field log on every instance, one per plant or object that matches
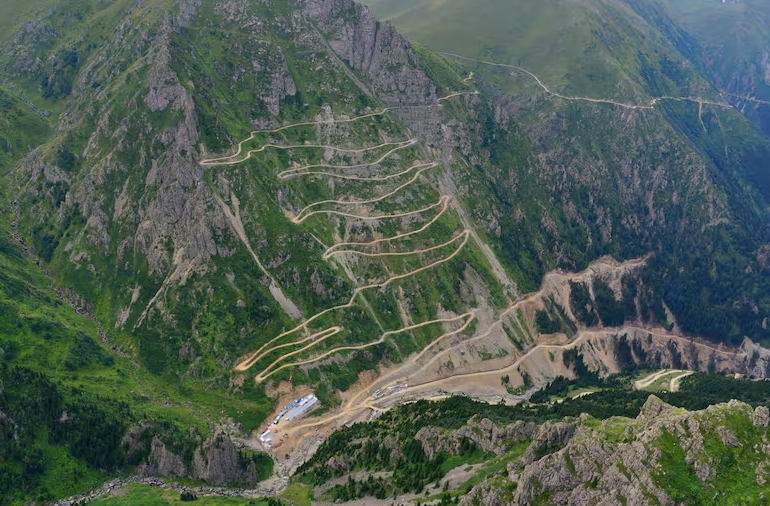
(611, 447)
(257, 200)
(729, 41)
(630, 72)
(74, 410)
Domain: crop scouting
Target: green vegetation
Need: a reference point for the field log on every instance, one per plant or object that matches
(68, 401)
(582, 305)
(143, 495)
(639, 50)
(108, 108)
(612, 406)
(298, 494)
(680, 481)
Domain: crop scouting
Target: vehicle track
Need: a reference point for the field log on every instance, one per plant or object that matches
(675, 382)
(397, 376)
(250, 361)
(317, 337)
(231, 159)
(652, 378)
(654, 101)
(443, 202)
(358, 178)
(264, 375)
(300, 218)
(545, 88)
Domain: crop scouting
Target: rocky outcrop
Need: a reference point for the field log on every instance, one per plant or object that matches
(619, 462)
(483, 434)
(163, 462)
(373, 48)
(339, 463)
(653, 408)
(761, 417)
(216, 461)
(549, 437)
(757, 359)
(435, 441)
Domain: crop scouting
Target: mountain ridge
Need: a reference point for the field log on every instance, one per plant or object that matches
(397, 206)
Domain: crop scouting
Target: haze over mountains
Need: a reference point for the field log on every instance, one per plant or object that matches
(213, 207)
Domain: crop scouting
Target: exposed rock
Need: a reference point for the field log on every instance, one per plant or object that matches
(339, 463)
(163, 462)
(435, 441)
(579, 465)
(653, 408)
(375, 49)
(763, 473)
(728, 437)
(761, 416)
(757, 361)
(705, 472)
(485, 494)
(484, 434)
(216, 462)
(549, 437)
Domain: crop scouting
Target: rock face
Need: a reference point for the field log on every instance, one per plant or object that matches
(484, 434)
(623, 462)
(757, 360)
(163, 462)
(761, 417)
(215, 461)
(375, 49)
(653, 408)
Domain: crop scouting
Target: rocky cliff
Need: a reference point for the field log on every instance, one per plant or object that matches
(664, 456)
(215, 460)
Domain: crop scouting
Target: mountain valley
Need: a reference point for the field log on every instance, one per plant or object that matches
(211, 208)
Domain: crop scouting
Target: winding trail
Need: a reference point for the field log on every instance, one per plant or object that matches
(396, 376)
(233, 159)
(418, 168)
(264, 374)
(301, 216)
(443, 202)
(674, 385)
(652, 378)
(248, 362)
(399, 145)
(700, 101)
(336, 175)
(545, 88)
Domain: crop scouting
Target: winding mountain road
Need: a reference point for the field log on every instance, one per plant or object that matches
(653, 102)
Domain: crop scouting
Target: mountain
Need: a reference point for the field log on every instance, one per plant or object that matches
(241, 203)
(580, 60)
(614, 449)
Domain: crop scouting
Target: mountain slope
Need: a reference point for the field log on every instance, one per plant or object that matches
(635, 46)
(338, 227)
(612, 447)
(257, 200)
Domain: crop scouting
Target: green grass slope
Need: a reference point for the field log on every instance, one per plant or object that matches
(592, 48)
(67, 400)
